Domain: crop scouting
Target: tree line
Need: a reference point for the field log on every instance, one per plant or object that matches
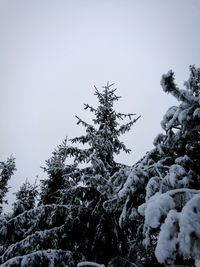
(96, 209)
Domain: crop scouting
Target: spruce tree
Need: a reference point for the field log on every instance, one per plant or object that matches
(7, 169)
(166, 181)
(103, 140)
(25, 198)
(73, 213)
(92, 186)
(173, 188)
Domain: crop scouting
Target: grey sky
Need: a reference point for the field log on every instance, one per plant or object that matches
(53, 52)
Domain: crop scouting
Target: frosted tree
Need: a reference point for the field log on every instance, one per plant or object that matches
(103, 142)
(103, 137)
(61, 176)
(25, 198)
(71, 215)
(7, 169)
(173, 189)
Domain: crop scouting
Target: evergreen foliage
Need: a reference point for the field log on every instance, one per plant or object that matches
(71, 215)
(98, 210)
(25, 198)
(166, 181)
(173, 188)
(7, 169)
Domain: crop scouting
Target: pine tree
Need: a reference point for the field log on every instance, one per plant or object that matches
(103, 143)
(166, 179)
(104, 140)
(172, 192)
(6, 171)
(61, 176)
(73, 213)
(25, 198)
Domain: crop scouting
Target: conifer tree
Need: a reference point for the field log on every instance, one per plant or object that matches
(71, 215)
(25, 198)
(60, 174)
(6, 171)
(171, 175)
(103, 139)
(63, 185)
(166, 180)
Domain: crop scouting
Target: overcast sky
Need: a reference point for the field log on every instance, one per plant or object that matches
(52, 52)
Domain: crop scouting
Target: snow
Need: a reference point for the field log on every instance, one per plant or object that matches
(196, 113)
(169, 115)
(175, 178)
(135, 176)
(180, 234)
(90, 263)
(3, 228)
(153, 186)
(168, 239)
(175, 173)
(184, 115)
(40, 238)
(171, 210)
(190, 228)
(165, 80)
(197, 263)
(25, 229)
(156, 207)
(182, 160)
(123, 213)
(159, 138)
(50, 258)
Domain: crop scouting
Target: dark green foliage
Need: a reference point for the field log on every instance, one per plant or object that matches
(174, 173)
(71, 214)
(110, 213)
(44, 258)
(6, 171)
(25, 198)
(87, 189)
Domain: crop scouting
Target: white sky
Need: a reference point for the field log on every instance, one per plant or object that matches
(52, 52)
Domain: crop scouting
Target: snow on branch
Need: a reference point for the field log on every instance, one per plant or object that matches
(159, 204)
(85, 124)
(126, 127)
(81, 139)
(50, 257)
(90, 108)
(123, 115)
(169, 86)
(28, 221)
(41, 238)
(180, 234)
(189, 222)
(89, 263)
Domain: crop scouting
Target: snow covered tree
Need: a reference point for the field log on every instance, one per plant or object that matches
(25, 198)
(104, 140)
(170, 174)
(171, 210)
(91, 187)
(61, 176)
(102, 211)
(128, 193)
(103, 143)
(7, 169)
(73, 215)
